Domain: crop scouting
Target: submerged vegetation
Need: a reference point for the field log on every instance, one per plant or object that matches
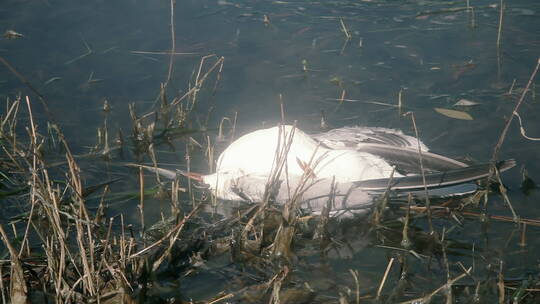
(69, 235)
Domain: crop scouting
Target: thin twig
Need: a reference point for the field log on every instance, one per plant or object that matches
(497, 148)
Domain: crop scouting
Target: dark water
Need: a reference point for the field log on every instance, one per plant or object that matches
(434, 58)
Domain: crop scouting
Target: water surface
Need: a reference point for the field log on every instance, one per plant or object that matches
(80, 53)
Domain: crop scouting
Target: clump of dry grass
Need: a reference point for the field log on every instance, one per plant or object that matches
(59, 248)
(78, 256)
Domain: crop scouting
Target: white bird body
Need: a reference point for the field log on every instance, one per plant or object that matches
(254, 154)
(348, 164)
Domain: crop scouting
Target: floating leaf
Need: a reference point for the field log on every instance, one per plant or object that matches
(466, 103)
(11, 34)
(454, 114)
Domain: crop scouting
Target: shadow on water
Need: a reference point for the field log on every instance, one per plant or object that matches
(78, 225)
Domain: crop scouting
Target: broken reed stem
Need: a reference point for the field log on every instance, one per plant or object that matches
(173, 45)
(220, 136)
(218, 78)
(11, 118)
(473, 20)
(199, 80)
(500, 283)
(141, 200)
(322, 226)
(497, 148)
(499, 31)
(280, 159)
(405, 241)
(427, 298)
(522, 240)
(383, 281)
(221, 298)
(2, 287)
(342, 97)
(447, 266)
(175, 205)
(421, 161)
(282, 109)
(502, 190)
(344, 29)
(354, 274)
(34, 177)
(17, 290)
(190, 186)
(176, 230)
(378, 214)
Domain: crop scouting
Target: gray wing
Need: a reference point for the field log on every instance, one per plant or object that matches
(352, 137)
(408, 159)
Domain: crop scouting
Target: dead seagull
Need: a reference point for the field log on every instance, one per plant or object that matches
(351, 165)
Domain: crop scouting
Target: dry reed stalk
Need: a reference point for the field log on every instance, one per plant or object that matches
(107, 248)
(502, 190)
(385, 276)
(220, 136)
(173, 44)
(175, 202)
(218, 77)
(381, 206)
(354, 274)
(502, 137)
(472, 18)
(421, 162)
(449, 295)
(33, 141)
(221, 298)
(322, 226)
(342, 97)
(2, 287)
(275, 171)
(199, 81)
(344, 29)
(18, 291)
(210, 154)
(141, 200)
(171, 235)
(10, 117)
(500, 284)
(499, 31)
(285, 234)
(522, 240)
(405, 241)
